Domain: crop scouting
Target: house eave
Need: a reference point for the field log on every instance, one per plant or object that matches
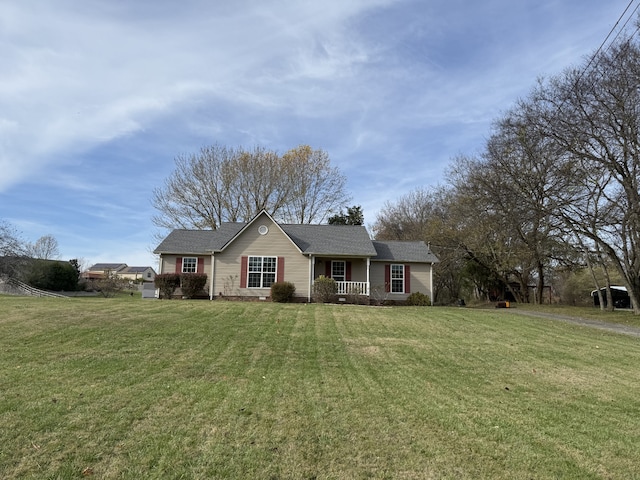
(401, 260)
(181, 253)
(336, 255)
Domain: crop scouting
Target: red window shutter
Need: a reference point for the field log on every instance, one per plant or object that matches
(200, 265)
(327, 270)
(387, 278)
(407, 279)
(280, 273)
(348, 271)
(244, 262)
(179, 265)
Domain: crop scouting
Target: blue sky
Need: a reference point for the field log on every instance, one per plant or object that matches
(98, 97)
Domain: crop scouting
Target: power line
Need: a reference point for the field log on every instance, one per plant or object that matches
(597, 52)
(595, 55)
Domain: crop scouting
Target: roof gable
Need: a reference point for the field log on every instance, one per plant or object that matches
(261, 217)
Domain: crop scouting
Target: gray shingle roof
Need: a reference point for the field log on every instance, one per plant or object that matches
(137, 269)
(338, 240)
(348, 240)
(198, 241)
(107, 266)
(186, 241)
(403, 252)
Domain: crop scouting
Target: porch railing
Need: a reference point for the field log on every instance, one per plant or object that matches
(353, 288)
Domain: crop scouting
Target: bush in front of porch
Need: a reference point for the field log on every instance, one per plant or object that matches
(324, 289)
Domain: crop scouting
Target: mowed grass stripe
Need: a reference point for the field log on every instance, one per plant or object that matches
(126, 388)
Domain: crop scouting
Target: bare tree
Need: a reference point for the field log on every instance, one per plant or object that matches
(45, 248)
(430, 216)
(262, 180)
(221, 184)
(519, 182)
(12, 249)
(557, 184)
(594, 116)
(199, 194)
(318, 189)
(408, 218)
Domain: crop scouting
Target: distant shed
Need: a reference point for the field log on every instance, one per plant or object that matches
(619, 295)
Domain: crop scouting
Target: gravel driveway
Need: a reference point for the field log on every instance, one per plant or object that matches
(610, 327)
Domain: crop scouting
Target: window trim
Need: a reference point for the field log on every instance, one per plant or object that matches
(344, 270)
(392, 278)
(191, 261)
(262, 271)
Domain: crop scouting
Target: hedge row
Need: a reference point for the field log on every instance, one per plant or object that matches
(190, 283)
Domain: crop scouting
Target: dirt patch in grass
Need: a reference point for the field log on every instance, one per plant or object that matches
(385, 346)
(370, 351)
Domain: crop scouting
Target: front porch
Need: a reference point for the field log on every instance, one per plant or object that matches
(350, 274)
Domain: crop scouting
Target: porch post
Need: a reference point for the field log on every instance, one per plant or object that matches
(368, 279)
(213, 272)
(312, 263)
(160, 267)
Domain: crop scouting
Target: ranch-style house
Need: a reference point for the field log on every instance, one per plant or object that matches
(243, 259)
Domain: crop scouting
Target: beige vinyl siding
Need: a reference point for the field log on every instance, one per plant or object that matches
(250, 243)
(420, 274)
(376, 277)
(358, 270)
(168, 265)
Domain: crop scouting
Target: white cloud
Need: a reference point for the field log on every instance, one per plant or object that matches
(100, 94)
(83, 73)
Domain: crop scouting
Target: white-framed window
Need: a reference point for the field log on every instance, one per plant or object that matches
(338, 270)
(189, 265)
(397, 278)
(261, 272)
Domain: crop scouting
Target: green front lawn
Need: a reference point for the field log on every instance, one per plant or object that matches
(131, 388)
